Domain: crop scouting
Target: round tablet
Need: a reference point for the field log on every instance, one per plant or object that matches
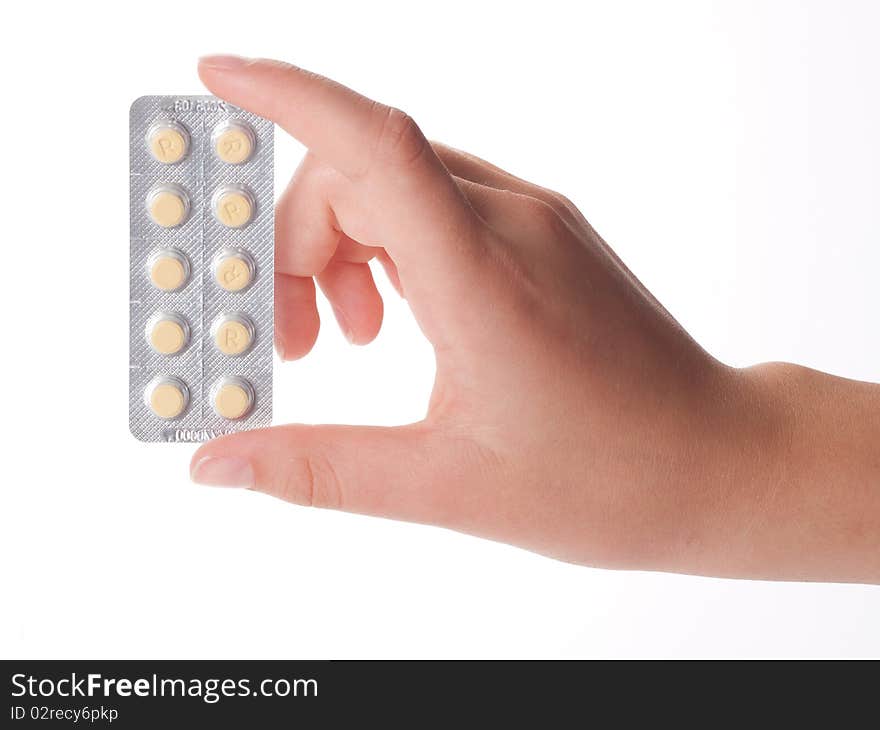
(233, 206)
(234, 270)
(168, 205)
(234, 142)
(233, 333)
(167, 333)
(167, 397)
(167, 141)
(232, 397)
(168, 269)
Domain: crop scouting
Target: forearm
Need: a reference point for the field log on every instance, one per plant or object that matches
(800, 479)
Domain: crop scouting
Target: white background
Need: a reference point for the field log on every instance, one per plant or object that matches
(728, 151)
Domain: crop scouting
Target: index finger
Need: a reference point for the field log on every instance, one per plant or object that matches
(379, 148)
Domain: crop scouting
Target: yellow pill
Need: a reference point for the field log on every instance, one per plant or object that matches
(168, 205)
(233, 398)
(233, 334)
(234, 142)
(166, 397)
(233, 271)
(167, 333)
(233, 207)
(168, 142)
(168, 270)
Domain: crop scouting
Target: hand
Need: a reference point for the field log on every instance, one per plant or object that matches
(571, 414)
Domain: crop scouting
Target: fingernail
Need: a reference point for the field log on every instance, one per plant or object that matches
(344, 325)
(222, 62)
(223, 471)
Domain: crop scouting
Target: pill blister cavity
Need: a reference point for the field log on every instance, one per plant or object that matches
(234, 270)
(168, 205)
(167, 333)
(168, 269)
(233, 205)
(167, 397)
(168, 141)
(232, 397)
(234, 141)
(233, 333)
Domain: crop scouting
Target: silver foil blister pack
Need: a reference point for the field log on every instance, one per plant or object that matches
(201, 268)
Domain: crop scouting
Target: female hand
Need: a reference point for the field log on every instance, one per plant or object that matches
(571, 414)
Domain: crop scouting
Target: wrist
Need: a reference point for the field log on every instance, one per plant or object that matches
(794, 491)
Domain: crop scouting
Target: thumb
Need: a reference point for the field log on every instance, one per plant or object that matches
(388, 472)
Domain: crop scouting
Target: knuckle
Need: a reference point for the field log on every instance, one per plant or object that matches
(565, 202)
(545, 212)
(400, 139)
(310, 481)
(563, 206)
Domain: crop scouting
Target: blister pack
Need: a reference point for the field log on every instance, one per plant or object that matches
(201, 268)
